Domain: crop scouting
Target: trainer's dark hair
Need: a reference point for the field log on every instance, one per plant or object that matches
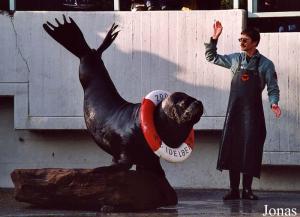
(252, 33)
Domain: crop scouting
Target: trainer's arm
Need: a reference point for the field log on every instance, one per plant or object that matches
(212, 56)
(272, 84)
(273, 89)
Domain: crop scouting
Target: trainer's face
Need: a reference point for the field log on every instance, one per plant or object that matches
(247, 43)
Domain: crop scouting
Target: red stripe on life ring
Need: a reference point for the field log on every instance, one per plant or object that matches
(190, 140)
(147, 124)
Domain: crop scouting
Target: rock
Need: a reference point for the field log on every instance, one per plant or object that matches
(103, 188)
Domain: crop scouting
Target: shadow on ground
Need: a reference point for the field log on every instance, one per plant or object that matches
(192, 202)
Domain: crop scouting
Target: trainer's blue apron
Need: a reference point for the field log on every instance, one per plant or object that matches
(244, 132)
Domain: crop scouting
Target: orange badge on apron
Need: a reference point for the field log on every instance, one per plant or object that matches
(245, 77)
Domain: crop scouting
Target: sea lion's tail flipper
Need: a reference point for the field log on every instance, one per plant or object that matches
(109, 38)
(68, 35)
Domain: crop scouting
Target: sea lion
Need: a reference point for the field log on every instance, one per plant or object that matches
(113, 122)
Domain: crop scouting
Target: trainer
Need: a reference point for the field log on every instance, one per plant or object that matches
(244, 132)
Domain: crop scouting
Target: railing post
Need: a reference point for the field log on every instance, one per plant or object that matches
(236, 4)
(12, 5)
(252, 6)
(116, 5)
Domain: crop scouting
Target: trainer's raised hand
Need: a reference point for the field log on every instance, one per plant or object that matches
(217, 29)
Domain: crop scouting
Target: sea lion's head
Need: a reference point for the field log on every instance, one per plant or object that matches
(175, 116)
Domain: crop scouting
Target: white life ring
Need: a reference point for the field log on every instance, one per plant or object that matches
(147, 124)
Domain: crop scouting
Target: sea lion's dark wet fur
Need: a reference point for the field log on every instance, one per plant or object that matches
(113, 122)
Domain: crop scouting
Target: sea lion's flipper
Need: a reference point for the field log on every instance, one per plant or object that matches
(154, 167)
(68, 35)
(109, 38)
(122, 162)
(114, 167)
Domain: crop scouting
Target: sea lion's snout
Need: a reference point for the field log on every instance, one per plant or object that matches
(193, 112)
(183, 108)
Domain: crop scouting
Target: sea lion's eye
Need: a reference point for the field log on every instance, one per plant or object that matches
(181, 103)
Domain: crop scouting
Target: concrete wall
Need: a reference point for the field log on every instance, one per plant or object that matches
(160, 50)
(75, 149)
(283, 140)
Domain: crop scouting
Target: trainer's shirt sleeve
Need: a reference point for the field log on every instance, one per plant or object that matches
(212, 56)
(272, 83)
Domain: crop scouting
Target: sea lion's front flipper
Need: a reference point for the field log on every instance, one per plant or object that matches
(68, 35)
(114, 167)
(121, 162)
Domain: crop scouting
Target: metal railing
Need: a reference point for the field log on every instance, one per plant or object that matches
(254, 13)
(12, 5)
